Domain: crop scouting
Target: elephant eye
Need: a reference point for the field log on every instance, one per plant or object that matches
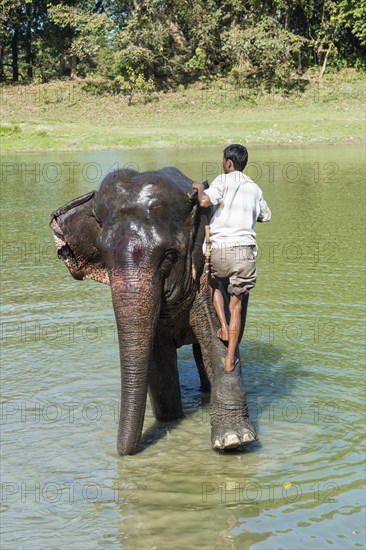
(171, 256)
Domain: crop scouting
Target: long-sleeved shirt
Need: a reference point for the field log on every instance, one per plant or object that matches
(238, 205)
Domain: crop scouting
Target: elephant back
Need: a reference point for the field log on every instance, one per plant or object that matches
(178, 179)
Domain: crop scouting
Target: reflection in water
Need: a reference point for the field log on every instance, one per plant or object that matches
(299, 486)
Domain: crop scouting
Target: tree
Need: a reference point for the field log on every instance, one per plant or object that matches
(264, 53)
(169, 42)
(10, 19)
(89, 33)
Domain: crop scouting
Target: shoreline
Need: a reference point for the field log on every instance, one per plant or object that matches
(281, 145)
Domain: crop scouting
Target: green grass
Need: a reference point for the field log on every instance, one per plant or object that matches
(9, 129)
(62, 116)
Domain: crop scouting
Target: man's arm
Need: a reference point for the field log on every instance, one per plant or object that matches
(265, 213)
(203, 198)
(212, 195)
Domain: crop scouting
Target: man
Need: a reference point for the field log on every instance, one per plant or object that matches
(238, 204)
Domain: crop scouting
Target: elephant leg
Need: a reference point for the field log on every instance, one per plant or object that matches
(164, 388)
(230, 424)
(205, 382)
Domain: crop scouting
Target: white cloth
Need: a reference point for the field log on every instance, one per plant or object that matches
(238, 205)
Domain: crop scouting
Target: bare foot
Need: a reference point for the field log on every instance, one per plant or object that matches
(223, 333)
(230, 367)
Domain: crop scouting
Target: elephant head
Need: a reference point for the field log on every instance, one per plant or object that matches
(142, 235)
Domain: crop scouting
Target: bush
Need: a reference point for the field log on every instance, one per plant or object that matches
(134, 83)
(360, 64)
(6, 130)
(99, 86)
(264, 53)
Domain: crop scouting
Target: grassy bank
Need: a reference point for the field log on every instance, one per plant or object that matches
(62, 116)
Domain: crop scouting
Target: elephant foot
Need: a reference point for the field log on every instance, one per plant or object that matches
(230, 424)
(233, 435)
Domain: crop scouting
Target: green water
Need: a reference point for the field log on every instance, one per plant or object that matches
(301, 486)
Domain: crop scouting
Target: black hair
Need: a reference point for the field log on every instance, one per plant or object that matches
(238, 155)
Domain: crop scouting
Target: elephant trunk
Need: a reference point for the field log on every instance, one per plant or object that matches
(136, 302)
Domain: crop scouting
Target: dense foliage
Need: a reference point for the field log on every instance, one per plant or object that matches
(132, 45)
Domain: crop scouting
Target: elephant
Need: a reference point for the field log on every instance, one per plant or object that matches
(142, 234)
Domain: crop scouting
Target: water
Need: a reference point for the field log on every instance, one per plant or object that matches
(300, 486)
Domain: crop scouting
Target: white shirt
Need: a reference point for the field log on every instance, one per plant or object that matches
(238, 205)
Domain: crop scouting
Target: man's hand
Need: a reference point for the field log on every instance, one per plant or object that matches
(203, 199)
(199, 186)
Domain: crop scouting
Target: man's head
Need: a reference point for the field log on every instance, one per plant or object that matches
(235, 158)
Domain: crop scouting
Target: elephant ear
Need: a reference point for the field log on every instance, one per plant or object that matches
(198, 259)
(76, 230)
